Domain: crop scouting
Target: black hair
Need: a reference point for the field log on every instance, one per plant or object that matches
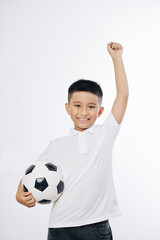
(87, 86)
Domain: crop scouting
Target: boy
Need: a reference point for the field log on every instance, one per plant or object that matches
(85, 157)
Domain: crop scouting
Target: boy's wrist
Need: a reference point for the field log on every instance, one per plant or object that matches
(117, 59)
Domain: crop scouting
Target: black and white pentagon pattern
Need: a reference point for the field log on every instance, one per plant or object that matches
(24, 188)
(60, 187)
(44, 201)
(44, 181)
(41, 184)
(28, 182)
(30, 169)
(51, 167)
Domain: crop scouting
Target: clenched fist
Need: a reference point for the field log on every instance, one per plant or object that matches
(25, 198)
(115, 49)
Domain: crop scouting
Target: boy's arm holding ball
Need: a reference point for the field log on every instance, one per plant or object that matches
(119, 106)
(25, 198)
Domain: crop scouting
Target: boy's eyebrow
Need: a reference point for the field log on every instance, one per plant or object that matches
(80, 102)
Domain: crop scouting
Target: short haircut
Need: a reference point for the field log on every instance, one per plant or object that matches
(87, 86)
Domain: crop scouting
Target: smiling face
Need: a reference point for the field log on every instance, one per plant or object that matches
(83, 109)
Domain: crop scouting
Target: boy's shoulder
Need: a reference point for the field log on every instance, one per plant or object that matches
(60, 140)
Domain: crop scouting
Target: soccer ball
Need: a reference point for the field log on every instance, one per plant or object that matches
(44, 180)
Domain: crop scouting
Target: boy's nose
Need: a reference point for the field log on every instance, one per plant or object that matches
(84, 111)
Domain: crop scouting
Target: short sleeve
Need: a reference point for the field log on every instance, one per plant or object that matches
(48, 154)
(111, 127)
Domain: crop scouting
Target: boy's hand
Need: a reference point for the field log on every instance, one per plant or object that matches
(26, 198)
(115, 49)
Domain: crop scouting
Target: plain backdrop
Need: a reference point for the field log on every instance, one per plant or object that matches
(44, 47)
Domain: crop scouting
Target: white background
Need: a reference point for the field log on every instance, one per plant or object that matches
(44, 47)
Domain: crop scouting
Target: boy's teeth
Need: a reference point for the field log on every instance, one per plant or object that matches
(83, 118)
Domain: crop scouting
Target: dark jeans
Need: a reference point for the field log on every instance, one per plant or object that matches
(94, 231)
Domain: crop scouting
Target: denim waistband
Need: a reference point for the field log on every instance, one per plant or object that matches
(89, 225)
(97, 223)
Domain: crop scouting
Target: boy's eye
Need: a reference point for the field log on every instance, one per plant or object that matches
(79, 105)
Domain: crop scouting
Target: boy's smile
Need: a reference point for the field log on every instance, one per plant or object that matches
(84, 108)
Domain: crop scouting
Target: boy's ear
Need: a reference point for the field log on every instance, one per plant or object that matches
(100, 111)
(67, 108)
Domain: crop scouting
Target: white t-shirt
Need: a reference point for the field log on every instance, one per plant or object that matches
(85, 159)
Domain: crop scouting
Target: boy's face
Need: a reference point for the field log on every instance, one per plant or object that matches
(83, 109)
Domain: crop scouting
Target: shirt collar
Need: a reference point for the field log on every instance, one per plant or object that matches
(90, 130)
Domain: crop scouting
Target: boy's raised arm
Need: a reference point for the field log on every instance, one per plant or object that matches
(119, 106)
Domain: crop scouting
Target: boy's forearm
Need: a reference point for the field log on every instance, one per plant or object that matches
(120, 78)
(19, 190)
